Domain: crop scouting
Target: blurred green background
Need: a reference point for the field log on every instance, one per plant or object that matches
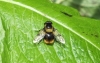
(87, 8)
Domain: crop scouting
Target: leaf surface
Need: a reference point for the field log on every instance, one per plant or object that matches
(21, 18)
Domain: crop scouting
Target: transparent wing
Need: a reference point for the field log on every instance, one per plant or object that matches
(58, 37)
(39, 36)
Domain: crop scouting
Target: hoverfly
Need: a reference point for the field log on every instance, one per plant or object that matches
(49, 34)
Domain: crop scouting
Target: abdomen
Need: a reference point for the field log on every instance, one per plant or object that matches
(49, 38)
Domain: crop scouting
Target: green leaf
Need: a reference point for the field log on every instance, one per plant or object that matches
(21, 18)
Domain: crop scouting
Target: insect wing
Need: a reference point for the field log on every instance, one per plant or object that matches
(39, 36)
(59, 37)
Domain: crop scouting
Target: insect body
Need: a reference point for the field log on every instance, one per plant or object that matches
(49, 34)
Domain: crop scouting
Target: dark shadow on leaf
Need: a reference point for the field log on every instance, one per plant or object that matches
(66, 14)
